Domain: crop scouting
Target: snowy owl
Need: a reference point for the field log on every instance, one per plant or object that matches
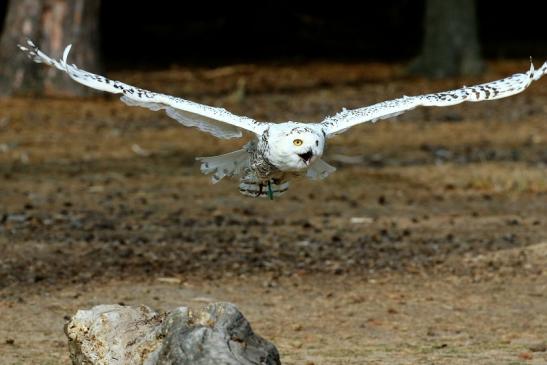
(278, 151)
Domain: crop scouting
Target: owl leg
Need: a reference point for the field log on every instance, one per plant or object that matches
(260, 186)
(261, 189)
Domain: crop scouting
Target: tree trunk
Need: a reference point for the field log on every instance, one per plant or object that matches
(451, 45)
(52, 25)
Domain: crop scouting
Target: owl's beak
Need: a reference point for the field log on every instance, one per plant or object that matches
(306, 156)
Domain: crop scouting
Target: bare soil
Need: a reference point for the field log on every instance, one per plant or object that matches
(427, 246)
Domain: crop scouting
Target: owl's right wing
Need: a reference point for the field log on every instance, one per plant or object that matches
(216, 121)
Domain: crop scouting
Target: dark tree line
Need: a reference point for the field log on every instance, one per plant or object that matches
(450, 45)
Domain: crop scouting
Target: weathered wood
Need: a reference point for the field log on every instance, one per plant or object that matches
(451, 44)
(115, 335)
(52, 24)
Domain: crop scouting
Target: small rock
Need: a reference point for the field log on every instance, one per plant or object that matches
(16, 217)
(138, 150)
(169, 280)
(361, 220)
(203, 299)
(538, 347)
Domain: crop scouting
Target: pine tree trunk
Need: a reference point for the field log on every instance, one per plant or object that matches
(52, 25)
(451, 45)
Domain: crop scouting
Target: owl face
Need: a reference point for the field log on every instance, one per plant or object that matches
(294, 146)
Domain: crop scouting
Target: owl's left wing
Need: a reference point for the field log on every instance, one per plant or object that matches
(489, 91)
(216, 121)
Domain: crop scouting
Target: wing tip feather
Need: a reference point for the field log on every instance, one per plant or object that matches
(65, 55)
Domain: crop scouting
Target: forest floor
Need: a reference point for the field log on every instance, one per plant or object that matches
(427, 246)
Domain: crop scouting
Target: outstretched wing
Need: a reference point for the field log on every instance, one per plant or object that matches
(387, 109)
(217, 121)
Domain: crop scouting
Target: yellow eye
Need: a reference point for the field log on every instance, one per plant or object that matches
(297, 142)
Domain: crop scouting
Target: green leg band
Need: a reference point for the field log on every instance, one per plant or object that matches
(270, 192)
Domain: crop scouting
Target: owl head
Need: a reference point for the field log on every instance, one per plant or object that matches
(294, 146)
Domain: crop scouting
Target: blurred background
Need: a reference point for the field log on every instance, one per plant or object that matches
(444, 38)
(428, 244)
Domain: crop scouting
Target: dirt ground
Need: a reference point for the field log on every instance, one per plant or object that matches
(427, 246)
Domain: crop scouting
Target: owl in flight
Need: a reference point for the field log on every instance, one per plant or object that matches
(278, 151)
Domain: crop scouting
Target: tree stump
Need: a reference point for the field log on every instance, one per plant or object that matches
(115, 334)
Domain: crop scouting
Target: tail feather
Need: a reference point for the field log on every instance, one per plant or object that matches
(229, 164)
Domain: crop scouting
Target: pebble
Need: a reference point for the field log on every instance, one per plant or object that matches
(538, 347)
